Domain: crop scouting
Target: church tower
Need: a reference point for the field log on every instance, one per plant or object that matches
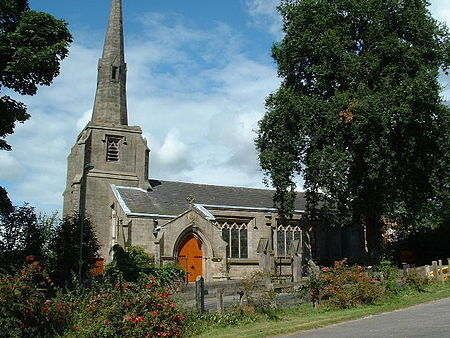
(107, 151)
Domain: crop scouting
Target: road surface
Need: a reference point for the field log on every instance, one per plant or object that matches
(424, 320)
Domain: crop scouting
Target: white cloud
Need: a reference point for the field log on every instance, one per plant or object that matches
(10, 168)
(441, 10)
(42, 144)
(173, 156)
(84, 119)
(195, 94)
(265, 15)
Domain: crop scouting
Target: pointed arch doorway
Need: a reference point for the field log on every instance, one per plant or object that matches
(190, 257)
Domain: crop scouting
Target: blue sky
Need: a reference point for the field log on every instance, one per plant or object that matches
(198, 73)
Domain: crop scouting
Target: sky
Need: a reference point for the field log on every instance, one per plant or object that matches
(198, 75)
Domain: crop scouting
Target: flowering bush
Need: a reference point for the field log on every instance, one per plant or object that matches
(24, 307)
(413, 280)
(31, 307)
(344, 286)
(127, 309)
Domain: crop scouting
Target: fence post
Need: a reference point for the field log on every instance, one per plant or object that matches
(219, 294)
(441, 272)
(427, 271)
(435, 270)
(405, 269)
(200, 294)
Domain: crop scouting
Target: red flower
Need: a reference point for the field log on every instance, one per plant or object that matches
(30, 258)
(75, 328)
(137, 319)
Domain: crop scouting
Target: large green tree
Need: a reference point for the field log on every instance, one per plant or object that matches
(32, 45)
(64, 250)
(20, 236)
(359, 113)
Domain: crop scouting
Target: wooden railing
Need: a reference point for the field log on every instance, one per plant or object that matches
(436, 271)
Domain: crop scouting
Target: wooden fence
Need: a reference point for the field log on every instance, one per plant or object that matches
(436, 271)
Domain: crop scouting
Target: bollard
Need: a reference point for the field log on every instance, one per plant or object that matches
(200, 294)
(219, 294)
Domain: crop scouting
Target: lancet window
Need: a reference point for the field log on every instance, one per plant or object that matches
(115, 72)
(285, 235)
(236, 236)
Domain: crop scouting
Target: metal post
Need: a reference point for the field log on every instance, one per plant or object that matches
(82, 215)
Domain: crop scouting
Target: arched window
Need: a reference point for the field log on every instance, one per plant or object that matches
(235, 234)
(285, 236)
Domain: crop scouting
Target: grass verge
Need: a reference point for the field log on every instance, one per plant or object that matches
(304, 317)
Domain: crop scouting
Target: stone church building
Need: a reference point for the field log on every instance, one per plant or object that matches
(218, 232)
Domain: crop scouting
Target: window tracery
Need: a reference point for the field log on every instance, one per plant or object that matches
(236, 236)
(285, 235)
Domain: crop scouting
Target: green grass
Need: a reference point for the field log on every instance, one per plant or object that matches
(304, 317)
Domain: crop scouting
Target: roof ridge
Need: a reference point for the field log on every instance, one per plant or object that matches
(216, 185)
(212, 185)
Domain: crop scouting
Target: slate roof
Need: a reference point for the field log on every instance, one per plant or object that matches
(170, 198)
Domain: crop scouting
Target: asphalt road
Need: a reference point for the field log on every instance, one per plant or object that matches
(425, 320)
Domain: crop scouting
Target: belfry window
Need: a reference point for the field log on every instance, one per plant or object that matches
(114, 72)
(235, 234)
(285, 236)
(113, 148)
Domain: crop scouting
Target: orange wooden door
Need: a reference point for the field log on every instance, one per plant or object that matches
(190, 258)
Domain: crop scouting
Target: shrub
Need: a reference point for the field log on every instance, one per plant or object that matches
(389, 278)
(255, 293)
(134, 263)
(343, 286)
(127, 309)
(413, 280)
(24, 308)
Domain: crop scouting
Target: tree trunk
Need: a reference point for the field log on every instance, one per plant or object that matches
(374, 239)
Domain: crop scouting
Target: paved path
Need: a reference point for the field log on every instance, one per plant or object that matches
(424, 320)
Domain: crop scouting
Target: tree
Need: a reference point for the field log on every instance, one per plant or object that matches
(20, 236)
(359, 113)
(32, 45)
(64, 247)
(6, 206)
(131, 263)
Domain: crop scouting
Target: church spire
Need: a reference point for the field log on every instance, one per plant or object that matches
(110, 105)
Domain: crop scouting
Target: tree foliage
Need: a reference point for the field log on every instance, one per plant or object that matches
(64, 247)
(359, 113)
(32, 45)
(133, 263)
(55, 243)
(20, 236)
